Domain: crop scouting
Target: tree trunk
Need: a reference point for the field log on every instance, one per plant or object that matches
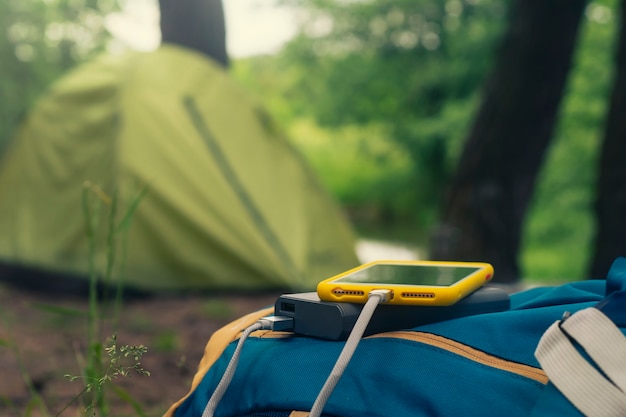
(195, 24)
(610, 204)
(484, 210)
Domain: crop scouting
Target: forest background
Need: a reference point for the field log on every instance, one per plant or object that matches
(380, 96)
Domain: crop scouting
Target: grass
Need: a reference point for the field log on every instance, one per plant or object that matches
(98, 373)
(105, 359)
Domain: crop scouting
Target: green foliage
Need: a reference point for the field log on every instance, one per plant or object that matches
(361, 166)
(381, 78)
(380, 94)
(41, 40)
(393, 62)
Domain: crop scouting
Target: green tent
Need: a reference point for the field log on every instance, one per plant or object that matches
(228, 204)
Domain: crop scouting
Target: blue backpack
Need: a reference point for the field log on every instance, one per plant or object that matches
(558, 351)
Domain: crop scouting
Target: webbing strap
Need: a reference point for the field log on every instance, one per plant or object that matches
(582, 384)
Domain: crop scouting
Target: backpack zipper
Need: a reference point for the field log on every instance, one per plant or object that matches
(449, 345)
(468, 352)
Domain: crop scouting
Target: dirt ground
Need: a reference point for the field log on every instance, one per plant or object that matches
(43, 337)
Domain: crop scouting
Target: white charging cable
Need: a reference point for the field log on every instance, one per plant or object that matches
(266, 323)
(375, 297)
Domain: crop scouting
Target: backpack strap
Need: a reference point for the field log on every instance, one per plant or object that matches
(594, 392)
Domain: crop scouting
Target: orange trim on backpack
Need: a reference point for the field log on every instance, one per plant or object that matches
(468, 352)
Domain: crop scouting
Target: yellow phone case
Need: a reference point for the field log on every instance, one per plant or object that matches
(405, 294)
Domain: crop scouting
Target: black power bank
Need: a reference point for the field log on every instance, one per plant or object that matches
(334, 321)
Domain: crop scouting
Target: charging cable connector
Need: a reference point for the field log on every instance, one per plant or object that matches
(276, 323)
(384, 295)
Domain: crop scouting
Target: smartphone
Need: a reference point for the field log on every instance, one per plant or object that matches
(334, 321)
(432, 283)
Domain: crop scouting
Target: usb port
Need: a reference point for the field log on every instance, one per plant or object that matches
(288, 307)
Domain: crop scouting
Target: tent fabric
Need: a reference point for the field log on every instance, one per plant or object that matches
(229, 203)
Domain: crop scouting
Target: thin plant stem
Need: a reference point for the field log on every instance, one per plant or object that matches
(94, 355)
(73, 400)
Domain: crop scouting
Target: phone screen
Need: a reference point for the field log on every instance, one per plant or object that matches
(431, 275)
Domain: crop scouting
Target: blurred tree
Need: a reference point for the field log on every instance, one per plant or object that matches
(195, 24)
(40, 41)
(610, 204)
(557, 234)
(485, 206)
